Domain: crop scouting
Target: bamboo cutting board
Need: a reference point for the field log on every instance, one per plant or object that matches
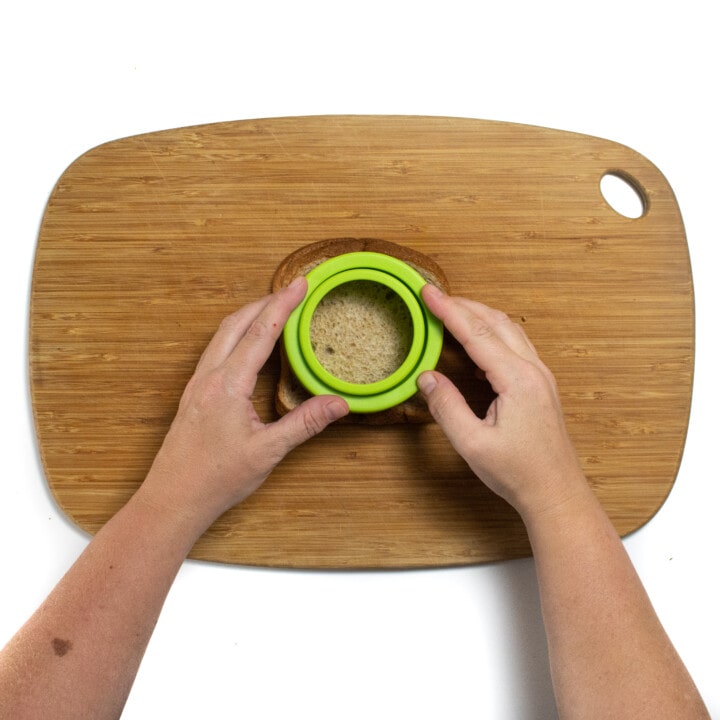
(147, 242)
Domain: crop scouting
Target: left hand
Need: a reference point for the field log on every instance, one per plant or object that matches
(218, 451)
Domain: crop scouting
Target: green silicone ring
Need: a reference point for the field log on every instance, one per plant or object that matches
(424, 350)
(418, 325)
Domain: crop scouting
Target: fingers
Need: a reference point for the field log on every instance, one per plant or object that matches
(231, 330)
(449, 409)
(508, 331)
(496, 344)
(307, 420)
(258, 341)
(246, 338)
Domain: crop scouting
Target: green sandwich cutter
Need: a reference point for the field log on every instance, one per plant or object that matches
(425, 346)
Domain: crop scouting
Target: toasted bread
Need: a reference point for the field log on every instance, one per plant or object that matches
(290, 393)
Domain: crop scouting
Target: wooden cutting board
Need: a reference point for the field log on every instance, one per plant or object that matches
(147, 242)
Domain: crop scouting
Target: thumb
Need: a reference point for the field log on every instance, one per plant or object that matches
(309, 419)
(448, 407)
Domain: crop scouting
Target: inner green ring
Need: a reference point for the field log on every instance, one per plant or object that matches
(418, 330)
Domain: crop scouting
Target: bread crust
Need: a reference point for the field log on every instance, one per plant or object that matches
(290, 393)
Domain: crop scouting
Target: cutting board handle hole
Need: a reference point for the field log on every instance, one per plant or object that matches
(623, 194)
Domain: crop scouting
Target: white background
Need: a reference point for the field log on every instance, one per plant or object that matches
(467, 643)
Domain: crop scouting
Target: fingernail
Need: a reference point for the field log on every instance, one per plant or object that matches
(336, 409)
(433, 291)
(296, 282)
(427, 383)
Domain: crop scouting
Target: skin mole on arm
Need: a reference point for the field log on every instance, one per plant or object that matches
(61, 647)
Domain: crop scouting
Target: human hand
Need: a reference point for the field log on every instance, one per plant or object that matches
(218, 451)
(521, 449)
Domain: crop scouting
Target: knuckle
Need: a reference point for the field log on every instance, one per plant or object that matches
(500, 320)
(257, 330)
(479, 328)
(485, 323)
(208, 391)
(538, 381)
(231, 319)
(312, 423)
(230, 322)
(439, 405)
(497, 317)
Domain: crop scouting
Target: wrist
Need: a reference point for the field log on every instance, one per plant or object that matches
(559, 494)
(166, 532)
(176, 501)
(573, 515)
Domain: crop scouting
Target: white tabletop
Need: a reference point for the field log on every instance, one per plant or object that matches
(460, 643)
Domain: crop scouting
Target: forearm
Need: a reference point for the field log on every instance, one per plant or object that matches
(609, 655)
(78, 655)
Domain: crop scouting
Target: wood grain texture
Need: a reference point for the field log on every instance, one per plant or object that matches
(147, 242)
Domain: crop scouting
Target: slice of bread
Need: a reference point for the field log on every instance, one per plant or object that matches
(361, 332)
(290, 392)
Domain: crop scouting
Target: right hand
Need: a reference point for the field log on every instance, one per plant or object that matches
(521, 449)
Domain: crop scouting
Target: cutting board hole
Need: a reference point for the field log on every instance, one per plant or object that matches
(623, 195)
